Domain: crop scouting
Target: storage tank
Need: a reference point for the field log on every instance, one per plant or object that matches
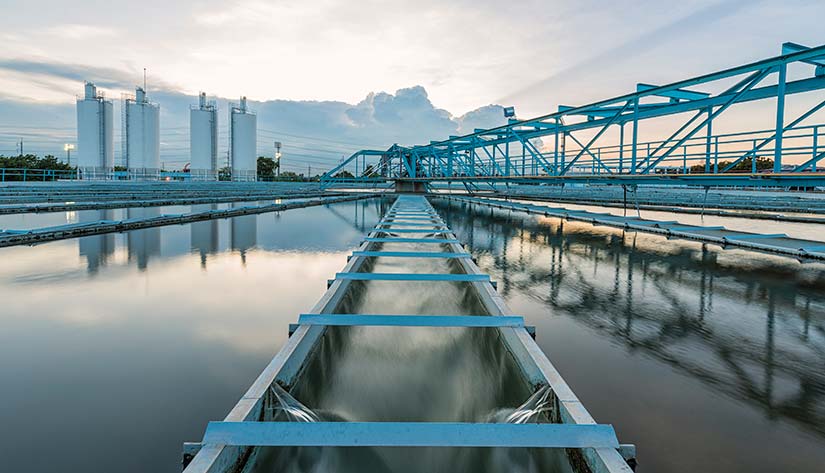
(243, 137)
(95, 153)
(142, 130)
(203, 140)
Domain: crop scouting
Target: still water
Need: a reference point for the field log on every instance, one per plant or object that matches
(706, 359)
(114, 349)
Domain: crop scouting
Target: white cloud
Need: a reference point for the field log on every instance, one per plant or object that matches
(79, 31)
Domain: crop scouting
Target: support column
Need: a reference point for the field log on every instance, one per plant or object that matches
(708, 139)
(621, 147)
(633, 150)
(556, 151)
(780, 117)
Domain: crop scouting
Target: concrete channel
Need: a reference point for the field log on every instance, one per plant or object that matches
(771, 243)
(236, 443)
(73, 230)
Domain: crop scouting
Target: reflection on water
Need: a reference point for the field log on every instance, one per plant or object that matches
(205, 234)
(144, 243)
(120, 347)
(244, 233)
(97, 249)
(707, 359)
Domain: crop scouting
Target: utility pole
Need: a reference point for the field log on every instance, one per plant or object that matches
(21, 146)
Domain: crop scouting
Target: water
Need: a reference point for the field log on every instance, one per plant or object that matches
(706, 359)
(803, 231)
(28, 221)
(114, 349)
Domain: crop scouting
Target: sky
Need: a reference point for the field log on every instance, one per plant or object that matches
(369, 72)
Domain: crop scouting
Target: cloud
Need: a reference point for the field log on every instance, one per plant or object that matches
(485, 117)
(406, 116)
(76, 31)
(106, 77)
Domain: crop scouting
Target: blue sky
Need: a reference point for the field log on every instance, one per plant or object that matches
(324, 58)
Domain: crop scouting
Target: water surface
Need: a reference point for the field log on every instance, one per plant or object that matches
(116, 348)
(706, 359)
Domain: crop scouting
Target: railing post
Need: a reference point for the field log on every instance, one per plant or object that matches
(633, 150)
(815, 146)
(780, 117)
(556, 150)
(507, 158)
(716, 155)
(708, 139)
(621, 147)
(753, 159)
(684, 159)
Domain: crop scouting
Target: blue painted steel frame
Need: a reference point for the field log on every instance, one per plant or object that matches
(486, 155)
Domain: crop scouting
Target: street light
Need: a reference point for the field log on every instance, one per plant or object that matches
(278, 158)
(68, 147)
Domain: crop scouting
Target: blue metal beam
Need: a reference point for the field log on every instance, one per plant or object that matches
(409, 434)
(410, 254)
(411, 224)
(411, 320)
(678, 94)
(411, 230)
(411, 240)
(448, 277)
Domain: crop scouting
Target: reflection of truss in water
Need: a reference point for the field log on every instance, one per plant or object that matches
(782, 372)
(358, 221)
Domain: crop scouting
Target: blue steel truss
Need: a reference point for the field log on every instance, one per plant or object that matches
(561, 146)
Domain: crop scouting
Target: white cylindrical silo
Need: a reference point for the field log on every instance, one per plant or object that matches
(142, 143)
(203, 140)
(95, 153)
(243, 135)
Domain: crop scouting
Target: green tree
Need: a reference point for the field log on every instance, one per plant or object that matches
(266, 168)
(32, 162)
(762, 163)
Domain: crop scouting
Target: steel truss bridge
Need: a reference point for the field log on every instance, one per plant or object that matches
(571, 145)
